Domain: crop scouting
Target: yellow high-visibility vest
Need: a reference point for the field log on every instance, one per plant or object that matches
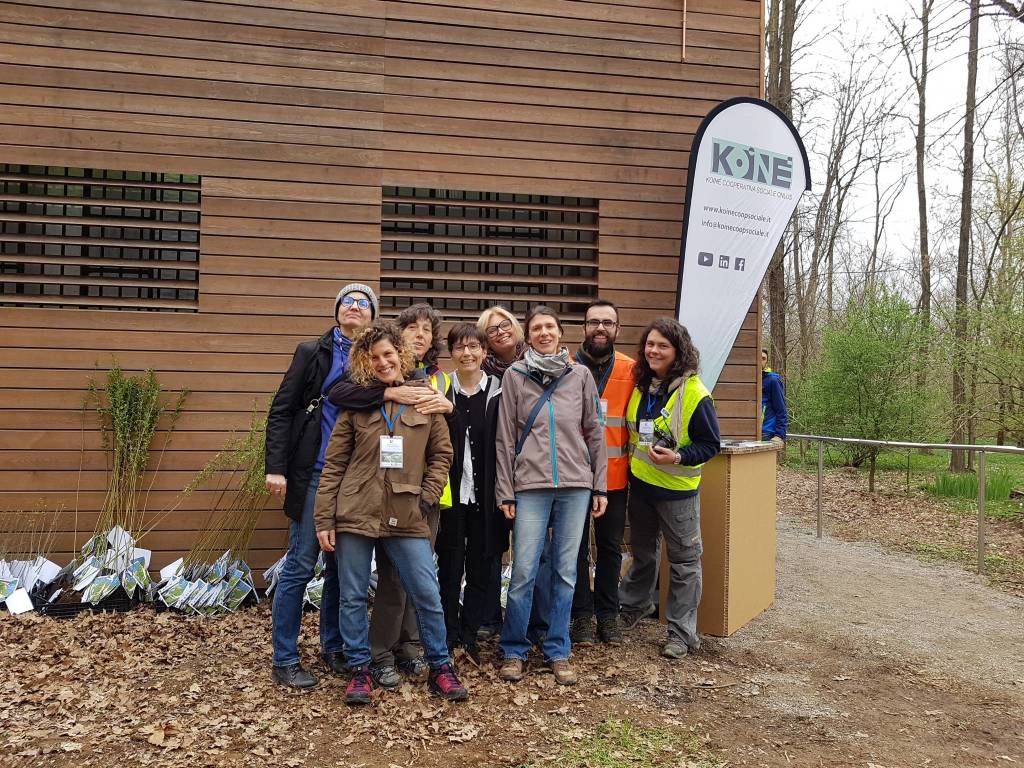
(442, 382)
(674, 419)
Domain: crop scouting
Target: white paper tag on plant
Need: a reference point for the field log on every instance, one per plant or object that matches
(391, 452)
(19, 602)
(169, 571)
(145, 554)
(47, 569)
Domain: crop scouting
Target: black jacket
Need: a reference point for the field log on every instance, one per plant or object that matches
(293, 432)
(488, 529)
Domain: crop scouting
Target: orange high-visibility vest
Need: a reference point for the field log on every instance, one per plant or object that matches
(616, 392)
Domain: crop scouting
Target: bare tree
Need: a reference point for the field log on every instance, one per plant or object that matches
(779, 92)
(959, 432)
(917, 65)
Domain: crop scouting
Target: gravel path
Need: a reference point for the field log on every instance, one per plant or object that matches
(941, 617)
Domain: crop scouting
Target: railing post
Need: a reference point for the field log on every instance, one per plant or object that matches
(981, 511)
(821, 472)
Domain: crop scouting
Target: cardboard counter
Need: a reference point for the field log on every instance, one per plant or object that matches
(737, 525)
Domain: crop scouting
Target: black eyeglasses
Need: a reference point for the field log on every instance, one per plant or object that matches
(471, 347)
(505, 326)
(611, 325)
(348, 301)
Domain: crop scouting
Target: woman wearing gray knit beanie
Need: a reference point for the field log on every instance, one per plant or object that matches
(298, 427)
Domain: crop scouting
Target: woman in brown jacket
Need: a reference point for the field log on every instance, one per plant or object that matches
(384, 470)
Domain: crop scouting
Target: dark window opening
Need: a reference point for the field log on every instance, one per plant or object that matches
(89, 238)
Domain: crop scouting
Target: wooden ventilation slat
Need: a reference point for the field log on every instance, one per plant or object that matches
(94, 221)
(101, 302)
(590, 209)
(503, 223)
(98, 202)
(82, 261)
(524, 243)
(456, 257)
(476, 277)
(73, 180)
(160, 245)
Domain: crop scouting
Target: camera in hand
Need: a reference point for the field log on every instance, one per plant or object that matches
(663, 439)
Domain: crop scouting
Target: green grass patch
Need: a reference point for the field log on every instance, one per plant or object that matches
(998, 484)
(621, 744)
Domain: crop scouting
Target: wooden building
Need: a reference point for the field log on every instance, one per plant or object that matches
(187, 183)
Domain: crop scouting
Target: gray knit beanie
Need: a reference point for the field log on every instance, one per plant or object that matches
(353, 288)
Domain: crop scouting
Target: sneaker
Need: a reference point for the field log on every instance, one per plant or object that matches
(673, 649)
(581, 631)
(360, 687)
(294, 676)
(415, 669)
(386, 676)
(629, 619)
(608, 631)
(564, 673)
(335, 663)
(445, 683)
(511, 670)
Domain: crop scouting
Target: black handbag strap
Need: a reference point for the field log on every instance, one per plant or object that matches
(545, 396)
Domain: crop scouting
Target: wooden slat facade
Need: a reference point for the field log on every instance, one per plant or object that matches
(296, 113)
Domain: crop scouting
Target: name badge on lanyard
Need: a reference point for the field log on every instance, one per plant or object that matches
(604, 408)
(392, 454)
(646, 433)
(392, 451)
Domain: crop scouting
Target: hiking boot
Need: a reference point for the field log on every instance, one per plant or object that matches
(386, 676)
(581, 632)
(445, 683)
(486, 633)
(294, 676)
(564, 673)
(360, 687)
(629, 619)
(473, 651)
(512, 670)
(415, 669)
(335, 663)
(673, 649)
(608, 631)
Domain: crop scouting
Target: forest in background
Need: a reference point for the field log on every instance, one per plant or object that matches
(895, 301)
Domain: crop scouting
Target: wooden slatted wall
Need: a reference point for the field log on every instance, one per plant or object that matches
(295, 114)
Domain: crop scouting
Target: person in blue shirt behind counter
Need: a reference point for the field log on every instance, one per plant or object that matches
(773, 403)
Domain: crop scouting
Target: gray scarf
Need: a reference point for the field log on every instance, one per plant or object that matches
(548, 366)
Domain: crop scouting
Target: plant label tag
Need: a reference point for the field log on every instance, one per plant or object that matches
(391, 452)
(19, 602)
(646, 433)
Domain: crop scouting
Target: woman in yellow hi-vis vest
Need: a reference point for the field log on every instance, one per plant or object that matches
(673, 430)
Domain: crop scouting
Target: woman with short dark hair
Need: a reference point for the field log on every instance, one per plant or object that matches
(552, 467)
(673, 430)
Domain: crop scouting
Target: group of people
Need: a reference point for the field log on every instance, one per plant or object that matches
(381, 454)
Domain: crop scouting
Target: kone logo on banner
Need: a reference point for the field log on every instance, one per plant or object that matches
(748, 169)
(750, 163)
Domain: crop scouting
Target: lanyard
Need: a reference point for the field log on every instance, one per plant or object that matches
(391, 423)
(652, 401)
(604, 377)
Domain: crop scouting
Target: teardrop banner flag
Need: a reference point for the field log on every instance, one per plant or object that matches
(748, 169)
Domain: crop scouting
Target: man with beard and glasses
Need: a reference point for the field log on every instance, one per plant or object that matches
(613, 372)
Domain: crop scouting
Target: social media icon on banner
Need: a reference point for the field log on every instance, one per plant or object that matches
(723, 262)
(739, 264)
(705, 259)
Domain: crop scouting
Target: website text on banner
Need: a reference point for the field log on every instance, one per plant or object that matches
(748, 169)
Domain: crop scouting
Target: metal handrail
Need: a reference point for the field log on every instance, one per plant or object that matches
(981, 450)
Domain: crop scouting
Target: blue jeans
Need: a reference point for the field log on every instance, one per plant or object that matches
(413, 558)
(563, 510)
(303, 551)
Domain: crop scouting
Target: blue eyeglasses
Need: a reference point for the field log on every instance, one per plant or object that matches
(348, 301)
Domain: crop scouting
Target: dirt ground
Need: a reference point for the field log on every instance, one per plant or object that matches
(868, 658)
